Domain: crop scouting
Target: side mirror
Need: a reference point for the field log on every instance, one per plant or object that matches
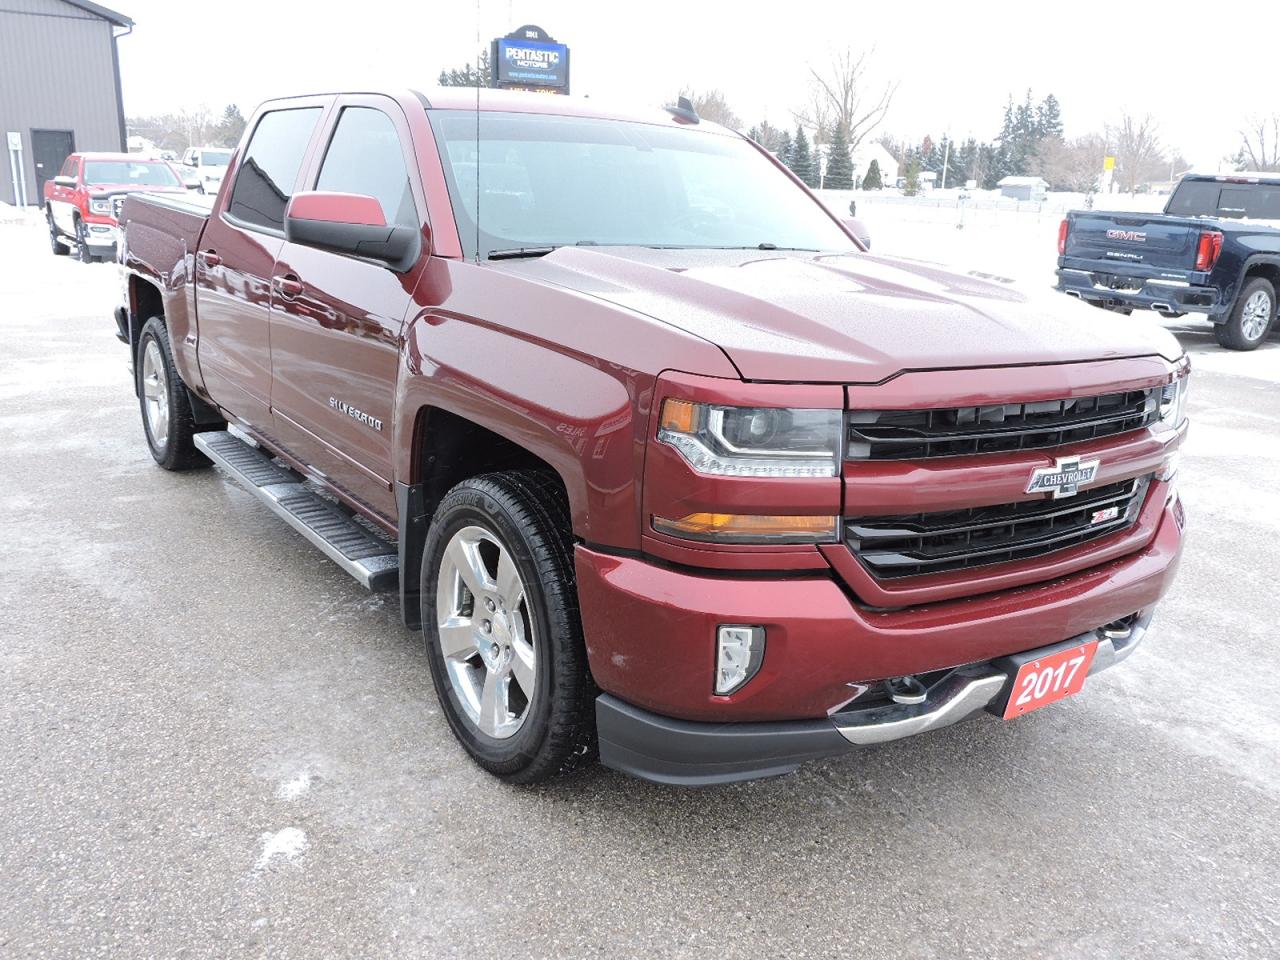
(64, 181)
(350, 223)
(859, 230)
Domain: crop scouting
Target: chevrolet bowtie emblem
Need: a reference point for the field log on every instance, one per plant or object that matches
(1064, 478)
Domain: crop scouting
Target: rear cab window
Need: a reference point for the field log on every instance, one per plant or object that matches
(1218, 198)
(269, 170)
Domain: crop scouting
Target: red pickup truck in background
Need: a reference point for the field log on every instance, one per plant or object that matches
(664, 463)
(82, 203)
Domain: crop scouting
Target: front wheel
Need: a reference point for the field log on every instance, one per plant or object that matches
(166, 409)
(504, 638)
(59, 249)
(1250, 319)
(83, 253)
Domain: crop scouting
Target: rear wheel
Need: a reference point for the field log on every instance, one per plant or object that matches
(166, 409)
(58, 247)
(504, 638)
(1251, 317)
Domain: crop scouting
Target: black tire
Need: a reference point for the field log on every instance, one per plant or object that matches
(1240, 333)
(175, 450)
(59, 248)
(83, 253)
(527, 513)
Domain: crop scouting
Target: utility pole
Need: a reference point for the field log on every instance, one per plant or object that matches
(946, 157)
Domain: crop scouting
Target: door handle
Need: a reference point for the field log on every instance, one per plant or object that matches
(210, 259)
(288, 285)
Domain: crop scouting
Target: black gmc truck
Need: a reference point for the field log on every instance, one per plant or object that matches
(1214, 251)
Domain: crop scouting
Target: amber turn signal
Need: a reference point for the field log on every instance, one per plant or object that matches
(679, 416)
(749, 528)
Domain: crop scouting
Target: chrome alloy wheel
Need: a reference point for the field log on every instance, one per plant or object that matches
(1256, 315)
(486, 632)
(155, 394)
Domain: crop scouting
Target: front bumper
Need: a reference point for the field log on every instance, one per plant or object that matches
(1114, 288)
(687, 753)
(101, 236)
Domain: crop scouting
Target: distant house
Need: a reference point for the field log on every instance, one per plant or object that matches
(867, 152)
(1023, 188)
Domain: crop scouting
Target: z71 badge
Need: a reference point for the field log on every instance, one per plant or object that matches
(1064, 478)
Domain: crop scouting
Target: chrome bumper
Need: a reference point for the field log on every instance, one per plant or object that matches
(963, 693)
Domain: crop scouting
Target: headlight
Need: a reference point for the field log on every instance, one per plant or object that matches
(100, 206)
(753, 441)
(1173, 401)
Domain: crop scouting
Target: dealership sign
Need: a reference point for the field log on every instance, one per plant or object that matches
(529, 59)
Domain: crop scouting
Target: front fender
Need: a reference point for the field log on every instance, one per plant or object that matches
(585, 418)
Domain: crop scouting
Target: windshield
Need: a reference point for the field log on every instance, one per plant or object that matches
(215, 158)
(134, 172)
(544, 181)
(1220, 198)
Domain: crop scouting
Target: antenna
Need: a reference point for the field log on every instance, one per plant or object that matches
(683, 110)
(479, 81)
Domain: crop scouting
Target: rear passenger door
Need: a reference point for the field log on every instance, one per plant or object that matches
(336, 319)
(236, 258)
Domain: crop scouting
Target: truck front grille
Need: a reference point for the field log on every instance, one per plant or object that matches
(919, 543)
(996, 428)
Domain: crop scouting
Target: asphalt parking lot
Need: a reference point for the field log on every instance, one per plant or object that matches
(213, 743)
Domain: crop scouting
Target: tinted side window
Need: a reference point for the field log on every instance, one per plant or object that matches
(365, 157)
(270, 167)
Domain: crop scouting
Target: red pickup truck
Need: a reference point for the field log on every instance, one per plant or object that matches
(664, 464)
(82, 203)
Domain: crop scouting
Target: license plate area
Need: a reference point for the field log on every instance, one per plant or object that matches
(1043, 676)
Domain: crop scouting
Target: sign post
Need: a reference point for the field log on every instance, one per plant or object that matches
(15, 167)
(529, 59)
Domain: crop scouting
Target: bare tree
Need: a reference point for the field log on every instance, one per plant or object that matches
(1137, 146)
(1073, 165)
(712, 105)
(1260, 149)
(845, 97)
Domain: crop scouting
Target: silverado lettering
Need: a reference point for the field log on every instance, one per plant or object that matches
(703, 496)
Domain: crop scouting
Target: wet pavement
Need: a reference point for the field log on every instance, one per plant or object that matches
(213, 743)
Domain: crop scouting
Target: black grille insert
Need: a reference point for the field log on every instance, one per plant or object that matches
(918, 543)
(996, 428)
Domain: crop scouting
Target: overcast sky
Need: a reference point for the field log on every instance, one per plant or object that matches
(955, 71)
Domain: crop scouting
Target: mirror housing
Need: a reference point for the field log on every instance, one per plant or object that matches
(859, 230)
(350, 223)
(64, 181)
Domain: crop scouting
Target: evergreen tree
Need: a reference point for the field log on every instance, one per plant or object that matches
(468, 76)
(912, 185)
(784, 149)
(839, 163)
(231, 126)
(802, 164)
(873, 179)
(1049, 118)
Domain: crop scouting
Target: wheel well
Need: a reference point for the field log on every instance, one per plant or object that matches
(1268, 271)
(451, 449)
(448, 449)
(145, 302)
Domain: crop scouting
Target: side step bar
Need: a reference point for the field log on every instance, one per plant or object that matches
(373, 561)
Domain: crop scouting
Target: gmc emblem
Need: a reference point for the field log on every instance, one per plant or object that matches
(1134, 236)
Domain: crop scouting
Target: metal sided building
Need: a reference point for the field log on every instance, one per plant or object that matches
(59, 87)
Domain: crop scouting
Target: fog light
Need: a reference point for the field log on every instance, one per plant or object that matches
(739, 652)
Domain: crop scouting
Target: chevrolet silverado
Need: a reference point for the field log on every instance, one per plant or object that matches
(665, 465)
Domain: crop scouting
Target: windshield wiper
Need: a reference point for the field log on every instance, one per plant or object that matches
(518, 253)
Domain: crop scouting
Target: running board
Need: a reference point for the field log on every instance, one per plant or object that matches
(373, 561)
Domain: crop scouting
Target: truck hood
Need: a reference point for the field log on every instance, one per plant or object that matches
(846, 318)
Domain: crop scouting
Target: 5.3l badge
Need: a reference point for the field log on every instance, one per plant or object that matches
(1064, 478)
